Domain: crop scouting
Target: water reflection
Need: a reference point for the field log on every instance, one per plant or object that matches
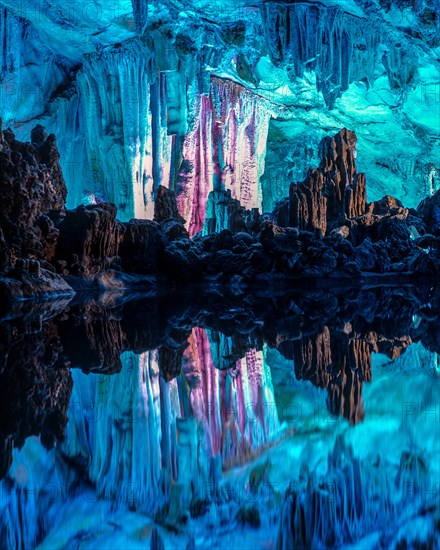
(207, 411)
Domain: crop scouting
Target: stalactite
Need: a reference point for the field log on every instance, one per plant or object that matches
(225, 150)
(338, 46)
(140, 12)
(237, 410)
(26, 83)
(115, 90)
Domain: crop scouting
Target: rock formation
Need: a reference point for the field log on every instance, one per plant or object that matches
(143, 243)
(89, 240)
(323, 228)
(31, 187)
(429, 211)
(180, 123)
(331, 193)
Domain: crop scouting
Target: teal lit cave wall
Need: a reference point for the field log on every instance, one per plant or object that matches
(189, 94)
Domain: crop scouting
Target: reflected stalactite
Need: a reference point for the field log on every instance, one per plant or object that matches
(235, 407)
(352, 499)
(191, 407)
(125, 446)
(227, 382)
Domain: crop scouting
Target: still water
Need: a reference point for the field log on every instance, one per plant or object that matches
(272, 419)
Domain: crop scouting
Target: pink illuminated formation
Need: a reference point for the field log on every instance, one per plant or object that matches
(237, 410)
(225, 149)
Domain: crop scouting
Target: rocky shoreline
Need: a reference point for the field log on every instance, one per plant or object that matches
(324, 228)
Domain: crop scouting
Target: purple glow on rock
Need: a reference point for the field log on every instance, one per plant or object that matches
(226, 149)
(236, 410)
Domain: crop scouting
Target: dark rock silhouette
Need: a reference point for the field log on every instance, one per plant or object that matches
(35, 387)
(165, 206)
(31, 186)
(324, 228)
(429, 211)
(89, 239)
(142, 244)
(91, 337)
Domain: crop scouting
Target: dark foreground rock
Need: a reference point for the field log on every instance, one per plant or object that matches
(324, 228)
(429, 212)
(89, 239)
(31, 186)
(32, 190)
(143, 243)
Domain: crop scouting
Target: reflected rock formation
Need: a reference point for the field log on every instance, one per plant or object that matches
(354, 499)
(175, 412)
(341, 362)
(35, 387)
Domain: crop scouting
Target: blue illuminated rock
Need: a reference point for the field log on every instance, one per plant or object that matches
(145, 95)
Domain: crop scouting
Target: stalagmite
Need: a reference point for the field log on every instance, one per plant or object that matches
(331, 193)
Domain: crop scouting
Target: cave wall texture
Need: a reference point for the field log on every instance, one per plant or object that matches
(196, 95)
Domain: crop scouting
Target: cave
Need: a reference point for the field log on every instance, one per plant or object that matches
(219, 274)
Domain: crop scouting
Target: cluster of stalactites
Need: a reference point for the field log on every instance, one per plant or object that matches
(339, 47)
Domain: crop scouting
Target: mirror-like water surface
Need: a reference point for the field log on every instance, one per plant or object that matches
(283, 419)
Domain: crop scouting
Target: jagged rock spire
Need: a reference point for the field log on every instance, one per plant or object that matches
(31, 186)
(346, 188)
(332, 191)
